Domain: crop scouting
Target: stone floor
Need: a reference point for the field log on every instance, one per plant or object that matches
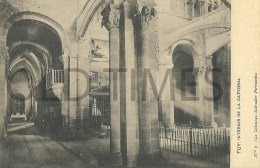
(28, 146)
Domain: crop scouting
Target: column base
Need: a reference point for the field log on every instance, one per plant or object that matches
(129, 160)
(115, 159)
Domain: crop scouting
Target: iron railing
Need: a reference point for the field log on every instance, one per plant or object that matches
(201, 142)
(99, 110)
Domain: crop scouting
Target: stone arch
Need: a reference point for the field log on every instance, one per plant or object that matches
(186, 45)
(184, 54)
(23, 64)
(220, 18)
(18, 15)
(219, 46)
(87, 14)
(218, 41)
(46, 62)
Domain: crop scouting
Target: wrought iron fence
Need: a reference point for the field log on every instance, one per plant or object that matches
(99, 109)
(201, 142)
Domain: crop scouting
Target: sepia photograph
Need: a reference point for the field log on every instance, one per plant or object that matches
(119, 83)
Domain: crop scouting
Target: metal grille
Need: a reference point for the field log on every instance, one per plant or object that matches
(202, 142)
(99, 110)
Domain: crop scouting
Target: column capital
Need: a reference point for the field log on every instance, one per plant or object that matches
(4, 53)
(209, 61)
(111, 16)
(200, 2)
(145, 10)
(191, 2)
(214, 4)
(202, 64)
(63, 58)
(198, 70)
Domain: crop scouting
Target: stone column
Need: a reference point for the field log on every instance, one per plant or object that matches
(83, 84)
(73, 94)
(200, 7)
(208, 97)
(224, 82)
(167, 99)
(65, 96)
(192, 3)
(128, 90)
(204, 90)
(3, 90)
(147, 73)
(111, 17)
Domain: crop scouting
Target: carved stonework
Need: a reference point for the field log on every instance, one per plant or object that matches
(200, 3)
(200, 7)
(202, 64)
(214, 4)
(191, 2)
(209, 61)
(64, 59)
(146, 10)
(111, 17)
(197, 61)
(198, 70)
(4, 53)
(211, 7)
(146, 14)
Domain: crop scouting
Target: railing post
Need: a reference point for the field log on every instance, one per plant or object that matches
(225, 141)
(58, 74)
(190, 133)
(52, 76)
(165, 131)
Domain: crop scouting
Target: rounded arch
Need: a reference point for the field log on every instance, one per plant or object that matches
(13, 18)
(218, 46)
(20, 96)
(183, 55)
(44, 62)
(187, 46)
(220, 18)
(87, 14)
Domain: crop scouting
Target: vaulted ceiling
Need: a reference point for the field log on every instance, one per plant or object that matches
(33, 46)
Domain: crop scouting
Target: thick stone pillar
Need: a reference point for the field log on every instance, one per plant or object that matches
(225, 84)
(204, 90)
(3, 90)
(208, 96)
(73, 95)
(111, 17)
(65, 96)
(147, 78)
(167, 99)
(129, 100)
(83, 85)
